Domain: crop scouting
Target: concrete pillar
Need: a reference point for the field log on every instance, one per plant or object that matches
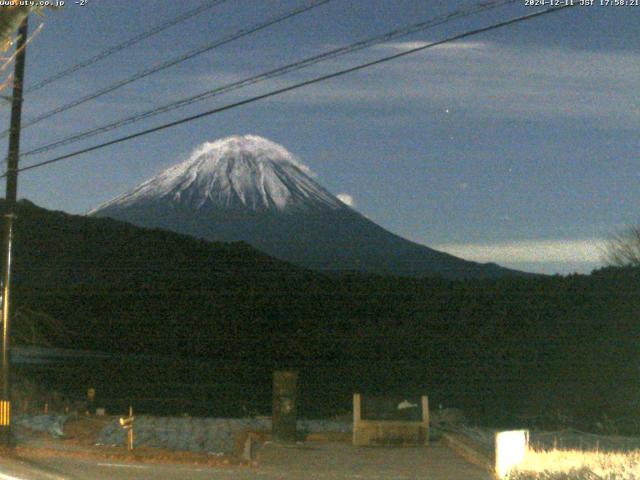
(425, 420)
(511, 447)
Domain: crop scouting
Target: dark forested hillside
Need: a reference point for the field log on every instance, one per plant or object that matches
(551, 349)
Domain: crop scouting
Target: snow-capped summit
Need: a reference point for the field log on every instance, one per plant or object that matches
(250, 189)
(238, 172)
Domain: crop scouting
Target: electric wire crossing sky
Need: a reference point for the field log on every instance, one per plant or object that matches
(465, 147)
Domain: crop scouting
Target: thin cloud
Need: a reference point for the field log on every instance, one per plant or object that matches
(499, 82)
(446, 47)
(346, 199)
(529, 251)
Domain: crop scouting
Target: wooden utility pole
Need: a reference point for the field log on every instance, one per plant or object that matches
(10, 203)
(127, 424)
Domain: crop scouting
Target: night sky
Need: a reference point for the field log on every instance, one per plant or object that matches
(518, 146)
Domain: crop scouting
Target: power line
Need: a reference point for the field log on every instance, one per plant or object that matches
(126, 44)
(394, 34)
(297, 86)
(172, 62)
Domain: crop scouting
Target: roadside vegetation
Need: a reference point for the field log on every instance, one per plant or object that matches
(578, 465)
(541, 352)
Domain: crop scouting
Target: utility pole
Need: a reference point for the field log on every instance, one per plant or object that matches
(10, 203)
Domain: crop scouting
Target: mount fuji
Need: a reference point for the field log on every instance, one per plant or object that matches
(247, 188)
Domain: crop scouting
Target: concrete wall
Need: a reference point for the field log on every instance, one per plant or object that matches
(381, 433)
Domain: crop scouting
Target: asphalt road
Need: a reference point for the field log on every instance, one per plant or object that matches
(311, 461)
(61, 468)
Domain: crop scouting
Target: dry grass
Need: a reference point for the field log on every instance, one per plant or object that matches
(576, 464)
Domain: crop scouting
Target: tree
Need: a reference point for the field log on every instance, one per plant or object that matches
(623, 249)
(10, 19)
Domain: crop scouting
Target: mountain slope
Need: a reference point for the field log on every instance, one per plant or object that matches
(118, 287)
(100, 284)
(247, 188)
(246, 173)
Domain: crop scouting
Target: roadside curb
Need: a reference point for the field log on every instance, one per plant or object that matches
(249, 443)
(469, 450)
(145, 457)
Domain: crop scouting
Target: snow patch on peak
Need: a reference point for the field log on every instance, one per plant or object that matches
(245, 172)
(252, 146)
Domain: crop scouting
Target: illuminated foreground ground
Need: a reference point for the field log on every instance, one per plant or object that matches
(313, 460)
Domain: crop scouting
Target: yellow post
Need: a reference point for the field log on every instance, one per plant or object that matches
(5, 413)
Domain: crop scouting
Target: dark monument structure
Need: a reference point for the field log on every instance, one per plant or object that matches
(284, 417)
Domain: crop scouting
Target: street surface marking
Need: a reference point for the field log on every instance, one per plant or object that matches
(122, 465)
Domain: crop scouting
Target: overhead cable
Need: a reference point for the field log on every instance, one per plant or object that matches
(369, 42)
(126, 44)
(170, 63)
(297, 86)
